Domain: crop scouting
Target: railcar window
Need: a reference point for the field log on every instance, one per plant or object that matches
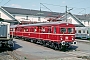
(70, 30)
(26, 30)
(79, 31)
(75, 31)
(43, 30)
(49, 30)
(54, 29)
(17, 29)
(11, 29)
(35, 30)
(63, 30)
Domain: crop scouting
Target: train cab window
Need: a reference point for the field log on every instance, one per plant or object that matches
(70, 30)
(63, 30)
(79, 31)
(54, 29)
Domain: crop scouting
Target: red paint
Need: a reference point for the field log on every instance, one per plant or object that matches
(42, 32)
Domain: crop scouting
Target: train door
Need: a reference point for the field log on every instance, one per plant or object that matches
(54, 33)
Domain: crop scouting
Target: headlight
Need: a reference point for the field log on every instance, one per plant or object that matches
(72, 38)
(66, 37)
(74, 42)
(63, 42)
(61, 39)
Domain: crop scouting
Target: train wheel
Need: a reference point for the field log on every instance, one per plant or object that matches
(44, 43)
(50, 44)
(31, 40)
(41, 42)
(60, 46)
(55, 46)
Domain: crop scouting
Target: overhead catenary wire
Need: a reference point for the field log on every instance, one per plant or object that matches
(46, 7)
(1, 1)
(53, 5)
(6, 2)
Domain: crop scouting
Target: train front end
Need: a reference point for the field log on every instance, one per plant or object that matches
(67, 34)
(5, 40)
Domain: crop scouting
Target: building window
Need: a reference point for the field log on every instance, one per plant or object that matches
(88, 22)
(26, 17)
(79, 31)
(39, 19)
(83, 31)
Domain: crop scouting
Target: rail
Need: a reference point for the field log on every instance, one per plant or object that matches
(11, 55)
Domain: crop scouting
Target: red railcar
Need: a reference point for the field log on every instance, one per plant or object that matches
(56, 35)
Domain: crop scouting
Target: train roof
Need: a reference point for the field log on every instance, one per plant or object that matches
(43, 24)
(39, 24)
(13, 26)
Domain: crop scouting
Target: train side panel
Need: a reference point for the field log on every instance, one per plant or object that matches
(55, 35)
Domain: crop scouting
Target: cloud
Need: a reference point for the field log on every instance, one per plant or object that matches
(15, 5)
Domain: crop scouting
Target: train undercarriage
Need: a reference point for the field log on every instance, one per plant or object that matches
(6, 43)
(53, 45)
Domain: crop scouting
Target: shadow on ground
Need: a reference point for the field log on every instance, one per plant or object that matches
(4, 48)
(71, 48)
(16, 46)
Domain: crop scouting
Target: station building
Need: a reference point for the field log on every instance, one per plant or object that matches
(20, 15)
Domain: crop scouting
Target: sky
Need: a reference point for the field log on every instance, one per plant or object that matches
(77, 6)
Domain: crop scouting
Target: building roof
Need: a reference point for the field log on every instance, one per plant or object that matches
(12, 10)
(22, 11)
(83, 17)
(31, 12)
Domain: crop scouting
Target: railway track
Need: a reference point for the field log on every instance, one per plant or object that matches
(9, 55)
(80, 54)
(5, 56)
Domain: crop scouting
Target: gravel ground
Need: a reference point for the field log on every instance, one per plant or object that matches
(33, 51)
(5, 56)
